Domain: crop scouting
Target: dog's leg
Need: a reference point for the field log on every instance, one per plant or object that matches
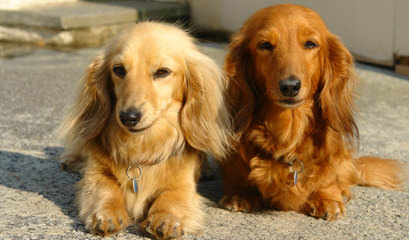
(239, 194)
(100, 201)
(73, 160)
(177, 209)
(327, 203)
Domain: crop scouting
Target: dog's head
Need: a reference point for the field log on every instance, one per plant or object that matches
(286, 54)
(152, 74)
(147, 70)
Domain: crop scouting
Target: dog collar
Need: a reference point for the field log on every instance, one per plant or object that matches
(134, 179)
(296, 167)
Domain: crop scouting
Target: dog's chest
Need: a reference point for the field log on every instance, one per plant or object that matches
(154, 147)
(279, 164)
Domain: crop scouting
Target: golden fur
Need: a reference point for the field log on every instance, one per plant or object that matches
(157, 69)
(316, 127)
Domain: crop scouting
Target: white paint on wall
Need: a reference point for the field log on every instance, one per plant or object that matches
(402, 28)
(18, 4)
(374, 30)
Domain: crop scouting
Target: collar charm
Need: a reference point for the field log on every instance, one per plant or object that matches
(296, 167)
(134, 179)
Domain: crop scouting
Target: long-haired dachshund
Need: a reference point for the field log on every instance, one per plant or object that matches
(147, 111)
(292, 90)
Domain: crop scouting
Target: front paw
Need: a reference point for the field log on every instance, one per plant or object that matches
(162, 226)
(241, 202)
(326, 209)
(107, 221)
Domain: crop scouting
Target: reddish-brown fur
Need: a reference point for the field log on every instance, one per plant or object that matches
(179, 92)
(315, 127)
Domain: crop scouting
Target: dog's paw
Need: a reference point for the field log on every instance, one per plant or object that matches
(325, 209)
(107, 222)
(241, 203)
(162, 226)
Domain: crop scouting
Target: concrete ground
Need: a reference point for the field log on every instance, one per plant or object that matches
(37, 197)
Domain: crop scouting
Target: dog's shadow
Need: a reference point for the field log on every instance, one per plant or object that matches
(44, 175)
(210, 186)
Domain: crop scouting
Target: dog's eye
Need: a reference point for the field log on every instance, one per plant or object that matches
(310, 44)
(162, 72)
(266, 46)
(119, 71)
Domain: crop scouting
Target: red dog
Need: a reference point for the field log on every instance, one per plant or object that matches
(292, 91)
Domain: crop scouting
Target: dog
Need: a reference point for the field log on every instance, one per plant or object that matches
(148, 110)
(292, 90)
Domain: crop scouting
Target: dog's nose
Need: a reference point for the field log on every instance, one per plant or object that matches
(290, 87)
(130, 117)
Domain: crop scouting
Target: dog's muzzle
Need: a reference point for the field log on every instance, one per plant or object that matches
(130, 117)
(290, 87)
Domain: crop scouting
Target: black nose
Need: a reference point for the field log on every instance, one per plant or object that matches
(130, 117)
(290, 87)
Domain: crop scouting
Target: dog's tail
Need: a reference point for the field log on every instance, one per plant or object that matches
(378, 172)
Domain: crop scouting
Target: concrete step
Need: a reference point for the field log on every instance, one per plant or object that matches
(81, 23)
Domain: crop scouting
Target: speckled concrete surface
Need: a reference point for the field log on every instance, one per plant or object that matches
(37, 197)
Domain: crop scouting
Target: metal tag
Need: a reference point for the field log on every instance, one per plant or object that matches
(134, 179)
(295, 178)
(135, 185)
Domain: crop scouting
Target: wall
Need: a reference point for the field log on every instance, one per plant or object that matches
(373, 30)
(18, 4)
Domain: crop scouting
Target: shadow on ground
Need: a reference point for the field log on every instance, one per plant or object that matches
(44, 175)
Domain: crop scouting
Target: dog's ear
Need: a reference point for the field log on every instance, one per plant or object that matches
(205, 120)
(240, 95)
(338, 89)
(92, 108)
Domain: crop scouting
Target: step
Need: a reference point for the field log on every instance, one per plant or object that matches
(81, 19)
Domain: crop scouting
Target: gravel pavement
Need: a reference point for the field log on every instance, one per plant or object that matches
(37, 197)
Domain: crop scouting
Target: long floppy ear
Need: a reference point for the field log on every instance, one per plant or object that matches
(205, 119)
(338, 89)
(92, 106)
(239, 94)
